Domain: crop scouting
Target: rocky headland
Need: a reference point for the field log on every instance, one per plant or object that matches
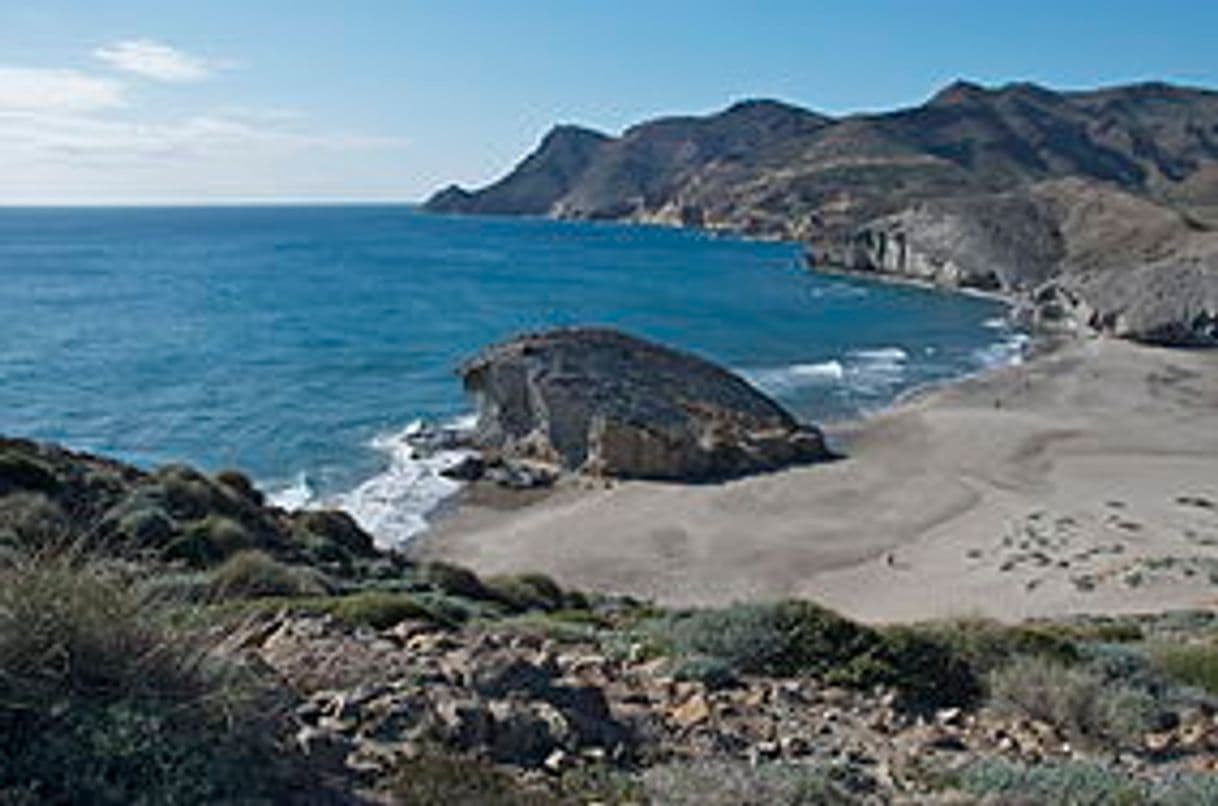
(1095, 209)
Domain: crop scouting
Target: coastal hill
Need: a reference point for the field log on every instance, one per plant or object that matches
(1017, 189)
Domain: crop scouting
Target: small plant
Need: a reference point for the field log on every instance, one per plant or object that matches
(101, 702)
(1068, 784)
(255, 574)
(736, 783)
(1077, 701)
(457, 781)
(1190, 664)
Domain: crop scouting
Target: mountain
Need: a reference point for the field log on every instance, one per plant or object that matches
(1002, 188)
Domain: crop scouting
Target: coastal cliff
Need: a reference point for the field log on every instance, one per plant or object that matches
(1094, 208)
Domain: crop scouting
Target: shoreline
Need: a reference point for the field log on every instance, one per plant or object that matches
(1048, 488)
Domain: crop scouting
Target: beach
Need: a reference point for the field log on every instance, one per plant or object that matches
(1084, 480)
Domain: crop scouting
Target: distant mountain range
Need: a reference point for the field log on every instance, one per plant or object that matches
(1016, 188)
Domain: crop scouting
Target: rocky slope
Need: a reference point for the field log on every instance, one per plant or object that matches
(356, 676)
(605, 403)
(966, 189)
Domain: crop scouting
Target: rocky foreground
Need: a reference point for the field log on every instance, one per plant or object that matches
(168, 636)
(1097, 209)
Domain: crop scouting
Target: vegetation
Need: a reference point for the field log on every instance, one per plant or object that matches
(1078, 701)
(741, 784)
(1190, 664)
(101, 702)
(800, 638)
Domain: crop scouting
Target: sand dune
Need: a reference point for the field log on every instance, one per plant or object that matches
(1083, 481)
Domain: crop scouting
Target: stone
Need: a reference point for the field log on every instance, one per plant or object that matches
(692, 712)
(601, 402)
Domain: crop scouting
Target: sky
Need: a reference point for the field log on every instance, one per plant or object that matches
(217, 101)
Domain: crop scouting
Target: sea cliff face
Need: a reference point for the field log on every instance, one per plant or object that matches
(1107, 195)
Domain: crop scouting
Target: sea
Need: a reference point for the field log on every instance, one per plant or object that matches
(305, 344)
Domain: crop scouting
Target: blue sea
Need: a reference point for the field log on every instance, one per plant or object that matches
(300, 344)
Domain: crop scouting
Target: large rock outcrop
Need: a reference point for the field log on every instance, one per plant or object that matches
(1078, 254)
(602, 402)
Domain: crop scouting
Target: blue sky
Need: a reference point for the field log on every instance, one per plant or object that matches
(225, 100)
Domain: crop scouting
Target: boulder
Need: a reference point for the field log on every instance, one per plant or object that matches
(602, 402)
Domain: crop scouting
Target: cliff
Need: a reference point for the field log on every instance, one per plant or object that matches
(1001, 188)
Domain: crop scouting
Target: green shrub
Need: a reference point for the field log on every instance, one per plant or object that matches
(737, 783)
(209, 541)
(1066, 784)
(454, 580)
(524, 592)
(458, 781)
(21, 471)
(988, 645)
(255, 574)
(240, 484)
(1190, 664)
(336, 530)
(1077, 701)
(33, 522)
(379, 610)
(794, 637)
(100, 702)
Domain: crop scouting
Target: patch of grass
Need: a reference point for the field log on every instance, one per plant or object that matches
(1191, 664)
(800, 638)
(209, 541)
(1078, 701)
(101, 702)
(255, 574)
(458, 781)
(737, 783)
(379, 610)
(987, 645)
(524, 592)
(1066, 784)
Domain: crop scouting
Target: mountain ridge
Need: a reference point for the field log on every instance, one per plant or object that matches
(770, 169)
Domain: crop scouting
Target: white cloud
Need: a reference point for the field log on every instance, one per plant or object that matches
(155, 60)
(91, 138)
(30, 89)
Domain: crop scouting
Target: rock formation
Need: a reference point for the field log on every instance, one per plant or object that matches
(1105, 193)
(601, 402)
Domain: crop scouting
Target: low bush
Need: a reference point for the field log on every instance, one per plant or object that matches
(1067, 784)
(380, 611)
(454, 580)
(795, 637)
(458, 781)
(1077, 701)
(988, 645)
(33, 522)
(240, 484)
(524, 592)
(737, 783)
(255, 574)
(100, 702)
(209, 541)
(1190, 664)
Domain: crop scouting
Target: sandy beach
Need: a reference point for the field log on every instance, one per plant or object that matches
(1084, 481)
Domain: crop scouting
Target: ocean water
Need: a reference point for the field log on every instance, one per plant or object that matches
(301, 344)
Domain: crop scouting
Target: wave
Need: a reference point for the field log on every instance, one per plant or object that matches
(393, 505)
(794, 376)
(997, 323)
(881, 354)
(1008, 352)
